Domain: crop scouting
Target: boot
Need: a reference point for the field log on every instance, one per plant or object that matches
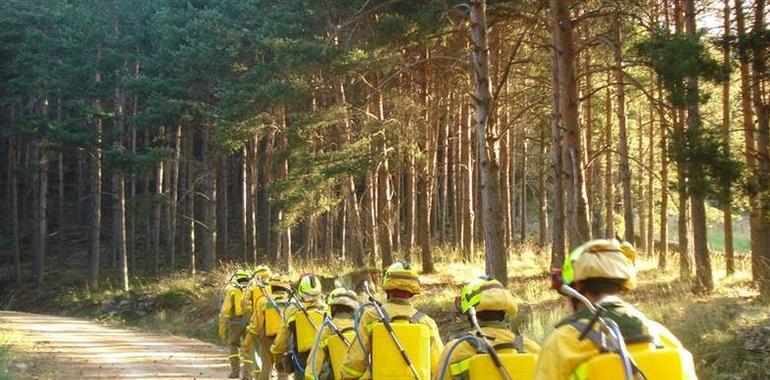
(235, 368)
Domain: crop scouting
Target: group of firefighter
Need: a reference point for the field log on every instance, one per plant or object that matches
(345, 335)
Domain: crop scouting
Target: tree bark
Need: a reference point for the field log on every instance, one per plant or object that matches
(759, 77)
(748, 133)
(14, 194)
(496, 257)
(209, 190)
(609, 183)
(625, 171)
(559, 234)
(173, 208)
(190, 197)
(663, 252)
(423, 177)
(542, 198)
(727, 206)
(698, 204)
(579, 231)
(466, 177)
(96, 190)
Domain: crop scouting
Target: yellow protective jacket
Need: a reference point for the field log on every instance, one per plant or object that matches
(281, 344)
(251, 296)
(563, 351)
(232, 307)
(496, 333)
(354, 366)
(257, 321)
(342, 321)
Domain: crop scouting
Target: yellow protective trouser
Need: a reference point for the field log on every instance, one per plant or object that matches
(267, 360)
(236, 329)
(248, 350)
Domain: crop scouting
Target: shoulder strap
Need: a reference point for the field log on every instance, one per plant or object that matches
(416, 317)
(519, 343)
(596, 337)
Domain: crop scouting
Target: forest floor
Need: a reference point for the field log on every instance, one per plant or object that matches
(728, 330)
(55, 347)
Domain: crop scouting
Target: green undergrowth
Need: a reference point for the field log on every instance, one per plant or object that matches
(709, 326)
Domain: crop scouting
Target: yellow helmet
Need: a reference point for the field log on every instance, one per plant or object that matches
(487, 294)
(279, 281)
(602, 259)
(241, 276)
(263, 273)
(401, 276)
(309, 286)
(343, 297)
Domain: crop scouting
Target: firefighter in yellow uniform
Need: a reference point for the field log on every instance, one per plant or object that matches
(494, 305)
(254, 291)
(400, 284)
(600, 270)
(232, 319)
(289, 353)
(267, 321)
(342, 303)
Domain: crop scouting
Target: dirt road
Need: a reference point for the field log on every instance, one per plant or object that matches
(66, 348)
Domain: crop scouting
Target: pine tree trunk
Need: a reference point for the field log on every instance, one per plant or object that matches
(209, 190)
(650, 193)
(609, 182)
(542, 198)
(466, 177)
(13, 178)
(40, 182)
(423, 180)
(748, 134)
(60, 238)
(759, 77)
(245, 201)
(223, 204)
(683, 218)
(642, 241)
(663, 252)
(495, 256)
(384, 225)
(559, 234)
(173, 209)
(119, 188)
(96, 191)
(625, 171)
(727, 207)
(523, 191)
(190, 197)
(698, 204)
(156, 214)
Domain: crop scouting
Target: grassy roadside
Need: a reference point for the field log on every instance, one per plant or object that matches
(710, 326)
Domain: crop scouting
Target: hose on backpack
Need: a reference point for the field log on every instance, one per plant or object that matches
(450, 350)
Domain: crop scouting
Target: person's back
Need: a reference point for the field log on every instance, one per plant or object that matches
(492, 304)
(600, 271)
(232, 319)
(400, 283)
(267, 321)
(256, 290)
(324, 361)
(294, 340)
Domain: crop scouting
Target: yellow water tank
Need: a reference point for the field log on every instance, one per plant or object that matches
(387, 363)
(306, 331)
(338, 351)
(655, 363)
(273, 320)
(519, 366)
